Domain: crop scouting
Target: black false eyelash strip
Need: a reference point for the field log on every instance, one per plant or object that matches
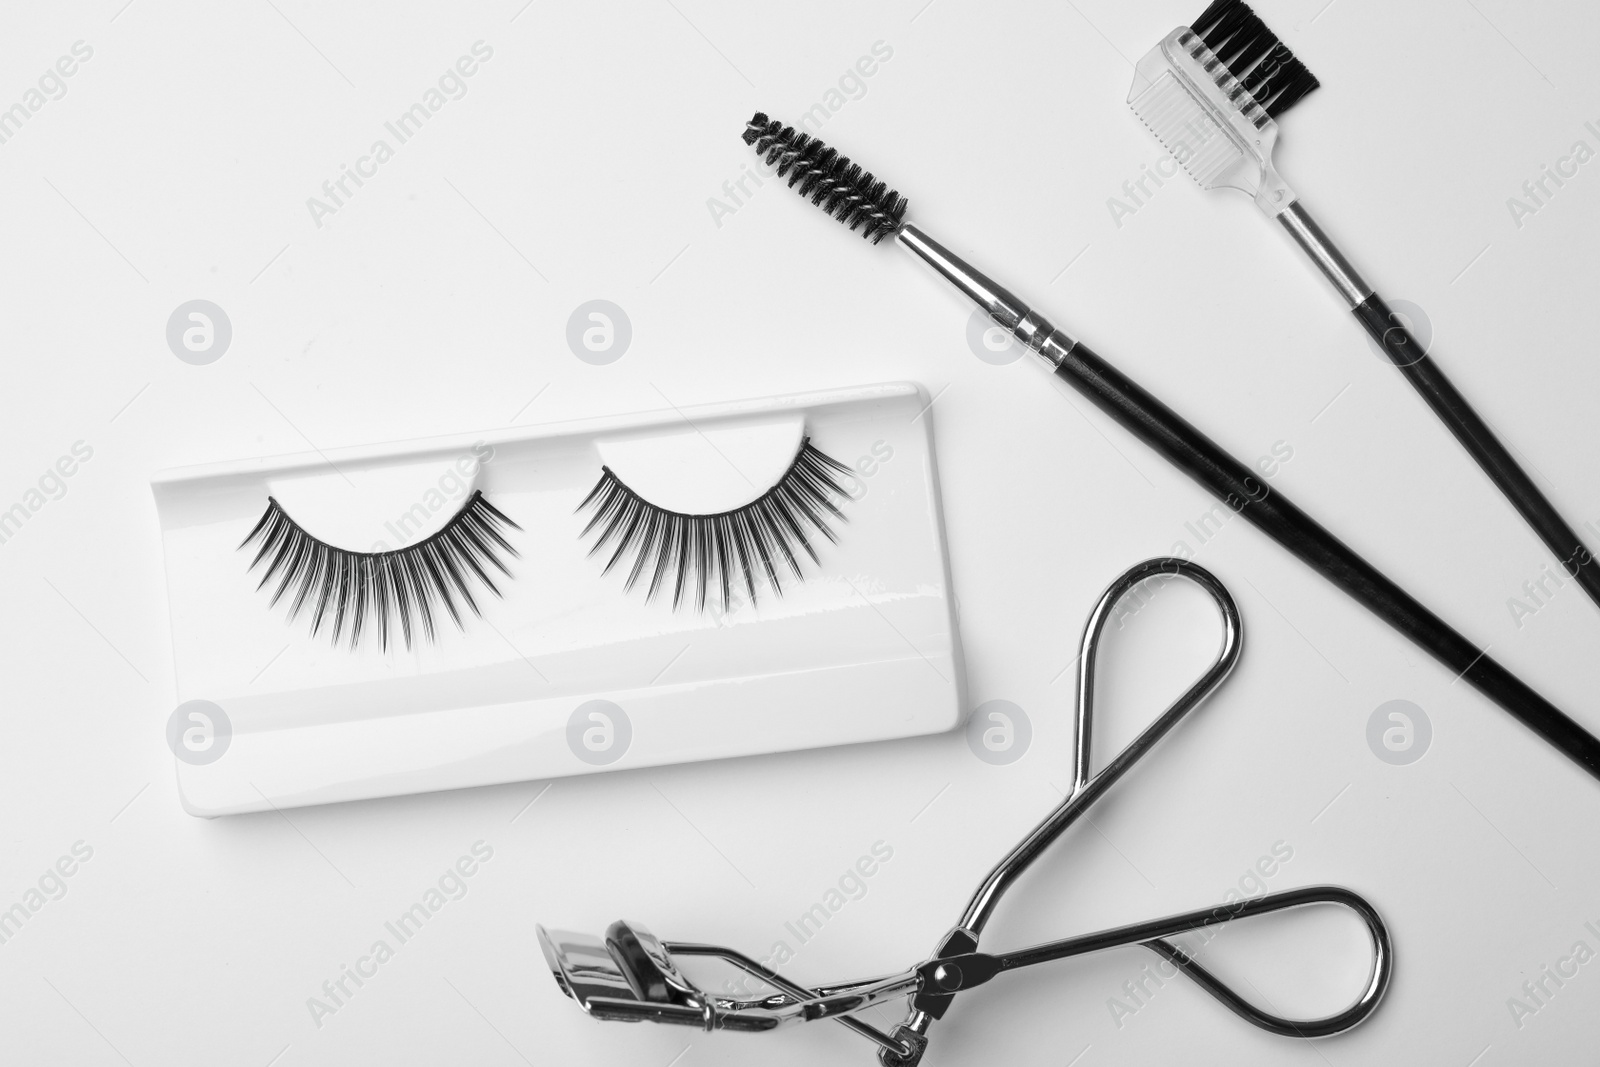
(710, 550)
(405, 585)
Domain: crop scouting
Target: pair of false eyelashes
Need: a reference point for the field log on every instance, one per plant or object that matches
(350, 591)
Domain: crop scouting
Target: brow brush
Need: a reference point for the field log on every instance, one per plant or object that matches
(868, 206)
(1211, 94)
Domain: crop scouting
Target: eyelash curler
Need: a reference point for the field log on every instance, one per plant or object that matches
(629, 975)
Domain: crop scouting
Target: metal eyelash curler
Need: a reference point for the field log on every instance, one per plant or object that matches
(630, 975)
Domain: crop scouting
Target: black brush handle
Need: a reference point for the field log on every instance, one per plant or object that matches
(1475, 435)
(1232, 482)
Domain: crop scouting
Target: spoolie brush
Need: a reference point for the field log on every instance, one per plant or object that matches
(868, 206)
(872, 209)
(833, 183)
(1212, 93)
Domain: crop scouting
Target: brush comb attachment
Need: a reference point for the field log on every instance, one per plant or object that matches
(831, 181)
(1211, 94)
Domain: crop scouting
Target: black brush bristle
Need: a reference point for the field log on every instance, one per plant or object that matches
(832, 182)
(1253, 54)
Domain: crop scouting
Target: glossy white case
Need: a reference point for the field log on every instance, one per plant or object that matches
(567, 673)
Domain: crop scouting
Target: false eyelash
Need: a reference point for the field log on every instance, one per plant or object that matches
(404, 584)
(708, 548)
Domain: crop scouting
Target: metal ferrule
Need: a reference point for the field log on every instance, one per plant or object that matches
(1034, 331)
(1309, 236)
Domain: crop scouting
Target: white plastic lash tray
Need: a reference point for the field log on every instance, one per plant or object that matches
(567, 672)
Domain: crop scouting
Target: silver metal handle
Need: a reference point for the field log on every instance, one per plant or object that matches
(956, 973)
(1086, 789)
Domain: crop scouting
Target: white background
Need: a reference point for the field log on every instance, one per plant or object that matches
(579, 165)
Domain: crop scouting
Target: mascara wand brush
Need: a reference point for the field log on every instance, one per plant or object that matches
(868, 206)
(1212, 93)
(861, 202)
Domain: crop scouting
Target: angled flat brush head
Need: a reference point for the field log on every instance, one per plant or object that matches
(832, 182)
